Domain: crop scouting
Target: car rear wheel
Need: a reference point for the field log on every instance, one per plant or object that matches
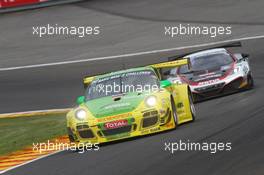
(195, 98)
(250, 81)
(71, 138)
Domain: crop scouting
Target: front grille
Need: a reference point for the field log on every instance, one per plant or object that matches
(234, 85)
(81, 127)
(147, 122)
(210, 88)
(87, 134)
(149, 118)
(150, 113)
(121, 130)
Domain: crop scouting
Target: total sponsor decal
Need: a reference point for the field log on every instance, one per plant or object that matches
(208, 82)
(116, 124)
(15, 3)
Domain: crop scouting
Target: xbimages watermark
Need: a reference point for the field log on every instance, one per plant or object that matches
(188, 29)
(123, 83)
(57, 146)
(213, 147)
(114, 88)
(79, 31)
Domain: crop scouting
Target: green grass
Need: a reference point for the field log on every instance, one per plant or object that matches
(18, 133)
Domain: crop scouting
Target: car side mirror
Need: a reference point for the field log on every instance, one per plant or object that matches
(165, 83)
(244, 55)
(80, 100)
(241, 57)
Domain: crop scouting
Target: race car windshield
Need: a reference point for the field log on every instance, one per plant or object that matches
(206, 63)
(124, 83)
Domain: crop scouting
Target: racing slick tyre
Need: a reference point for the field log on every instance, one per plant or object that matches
(174, 113)
(195, 97)
(192, 107)
(250, 81)
(70, 135)
(71, 139)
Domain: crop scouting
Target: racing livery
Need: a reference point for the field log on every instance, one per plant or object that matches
(105, 114)
(214, 72)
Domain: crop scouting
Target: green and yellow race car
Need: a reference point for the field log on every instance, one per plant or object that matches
(129, 103)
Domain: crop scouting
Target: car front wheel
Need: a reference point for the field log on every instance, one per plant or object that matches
(174, 113)
(192, 107)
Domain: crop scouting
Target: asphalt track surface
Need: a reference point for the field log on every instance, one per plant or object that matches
(236, 118)
(126, 27)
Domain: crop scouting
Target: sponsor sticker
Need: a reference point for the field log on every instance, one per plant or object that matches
(209, 82)
(115, 117)
(116, 124)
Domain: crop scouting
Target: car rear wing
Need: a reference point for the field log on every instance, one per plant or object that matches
(227, 45)
(165, 67)
(171, 64)
(87, 80)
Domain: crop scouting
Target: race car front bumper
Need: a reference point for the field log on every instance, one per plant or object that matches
(229, 85)
(141, 123)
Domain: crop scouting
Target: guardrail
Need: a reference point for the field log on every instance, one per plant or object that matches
(17, 5)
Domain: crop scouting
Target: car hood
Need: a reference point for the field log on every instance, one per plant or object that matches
(108, 106)
(206, 75)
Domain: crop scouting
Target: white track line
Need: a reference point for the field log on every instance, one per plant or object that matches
(38, 112)
(130, 54)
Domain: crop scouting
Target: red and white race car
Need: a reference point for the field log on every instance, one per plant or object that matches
(214, 72)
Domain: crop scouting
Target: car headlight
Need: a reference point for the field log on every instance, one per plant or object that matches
(151, 101)
(236, 70)
(80, 114)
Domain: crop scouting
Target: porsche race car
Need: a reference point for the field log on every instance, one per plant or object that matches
(214, 72)
(110, 111)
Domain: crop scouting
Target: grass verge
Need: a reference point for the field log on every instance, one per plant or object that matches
(18, 133)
